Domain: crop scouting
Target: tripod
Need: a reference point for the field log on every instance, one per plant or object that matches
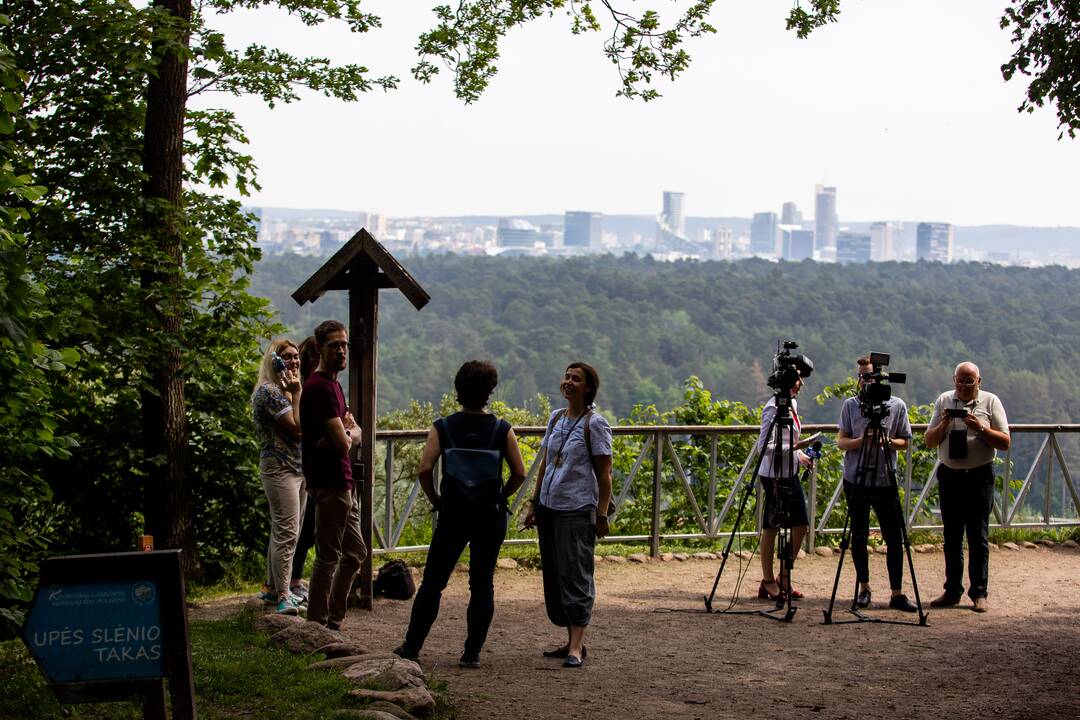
(873, 436)
(782, 425)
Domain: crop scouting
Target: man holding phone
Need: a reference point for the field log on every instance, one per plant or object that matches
(968, 428)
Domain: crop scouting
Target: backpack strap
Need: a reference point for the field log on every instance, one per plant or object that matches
(588, 446)
(495, 433)
(441, 423)
(551, 426)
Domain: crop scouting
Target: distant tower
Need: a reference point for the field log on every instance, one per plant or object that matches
(883, 241)
(671, 225)
(582, 229)
(825, 218)
(934, 242)
(790, 215)
(763, 234)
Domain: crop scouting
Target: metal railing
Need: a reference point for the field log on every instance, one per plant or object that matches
(659, 446)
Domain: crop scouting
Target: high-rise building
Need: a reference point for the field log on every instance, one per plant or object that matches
(518, 233)
(790, 215)
(883, 241)
(934, 242)
(797, 244)
(671, 225)
(764, 234)
(852, 248)
(582, 229)
(723, 243)
(825, 218)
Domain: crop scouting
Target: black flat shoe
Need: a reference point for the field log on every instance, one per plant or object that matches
(564, 652)
(901, 602)
(574, 662)
(863, 598)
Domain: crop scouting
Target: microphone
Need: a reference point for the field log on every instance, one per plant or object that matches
(815, 450)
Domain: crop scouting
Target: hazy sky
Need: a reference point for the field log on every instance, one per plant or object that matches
(901, 105)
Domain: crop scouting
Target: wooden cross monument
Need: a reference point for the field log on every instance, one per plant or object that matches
(363, 267)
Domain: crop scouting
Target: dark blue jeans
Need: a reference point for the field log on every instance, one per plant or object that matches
(967, 497)
(483, 531)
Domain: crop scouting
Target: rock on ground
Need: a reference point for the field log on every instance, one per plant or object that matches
(1070, 543)
(338, 662)
(342, 649)
(506, 563)
(362, 714)
(667, 557)
(305, 638)
(619, 559)
(638, 558)
(416, 700)
(681, 557)
(1010, 546)
(597, 559)
(385, 670)
(823, 551)
(881, 549)
(1029, 545)
(390, 709)
(272, 622)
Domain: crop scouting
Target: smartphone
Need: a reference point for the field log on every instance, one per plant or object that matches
(277, 362)
(956, 412)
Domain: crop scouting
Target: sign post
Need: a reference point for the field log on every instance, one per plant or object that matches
(111, 627)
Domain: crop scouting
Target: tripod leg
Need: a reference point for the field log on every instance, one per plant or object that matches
(844, 537)
(907, 550)
(747, 491)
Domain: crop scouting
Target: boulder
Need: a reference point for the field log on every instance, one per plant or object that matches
(390, 709)
(597, 559)
(881, 549)
(362, 714)
(272, 622)
(387, 672)
(1070, 543)
(305, 638)
(337, 663)
(618, 559)
(992, 546)
(416, 700)
(745, 554)
(681, 557)
(823, 551)
(1010, 546)
(667, 557)
(461, 567)
(801, 555)
(256, 604)
(1046, 543)
(1029, 545)
(342, 649)
(506, 563)
(704, 556)
(638, 558)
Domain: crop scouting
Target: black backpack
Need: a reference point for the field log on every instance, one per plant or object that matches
(473, 474)
(394, 581)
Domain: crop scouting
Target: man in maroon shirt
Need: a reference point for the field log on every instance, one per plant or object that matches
(328, 433)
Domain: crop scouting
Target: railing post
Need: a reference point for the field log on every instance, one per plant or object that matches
(1049, 477)
(388, 534)
(654, 533)
(712, 486)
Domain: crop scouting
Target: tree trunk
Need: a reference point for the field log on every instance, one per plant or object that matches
(169, 505)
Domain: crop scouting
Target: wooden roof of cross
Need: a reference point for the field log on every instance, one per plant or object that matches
(337, 273)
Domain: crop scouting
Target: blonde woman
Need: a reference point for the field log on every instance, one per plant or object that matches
(275, 407)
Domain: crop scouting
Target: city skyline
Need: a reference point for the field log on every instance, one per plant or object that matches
(760, 118)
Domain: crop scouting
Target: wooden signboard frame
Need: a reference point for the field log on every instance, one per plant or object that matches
(363, 267)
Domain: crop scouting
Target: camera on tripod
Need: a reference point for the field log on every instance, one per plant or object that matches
(875, 389)
(788, 367)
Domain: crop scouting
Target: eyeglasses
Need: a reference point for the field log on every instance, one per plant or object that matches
(965, 383)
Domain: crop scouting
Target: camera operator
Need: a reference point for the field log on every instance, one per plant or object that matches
(967, 428)
(874, 491)
(789, 492)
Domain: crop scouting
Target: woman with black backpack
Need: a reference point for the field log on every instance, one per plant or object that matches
(570, 507)
(472, 509)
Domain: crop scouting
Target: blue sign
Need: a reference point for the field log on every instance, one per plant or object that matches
(106, 631)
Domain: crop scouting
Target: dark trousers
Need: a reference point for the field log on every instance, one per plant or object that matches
(483, 531)
(304, 542)
(567, 540)
(967, 497)
(886, 505)
(339, 552)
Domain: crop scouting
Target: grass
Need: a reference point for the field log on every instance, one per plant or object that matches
(238, 674)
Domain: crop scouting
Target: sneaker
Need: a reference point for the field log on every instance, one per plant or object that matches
(980, 605)
(285, 606)
(268, 597)
(402, 651)
(469, 659)
(300, 592)
(331, 625)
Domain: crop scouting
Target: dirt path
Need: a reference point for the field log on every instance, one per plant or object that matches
(1016, 661)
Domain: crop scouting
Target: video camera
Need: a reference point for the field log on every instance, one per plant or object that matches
(788, 367)
(875, 391)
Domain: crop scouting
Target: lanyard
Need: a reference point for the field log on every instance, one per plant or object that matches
(558, 453)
